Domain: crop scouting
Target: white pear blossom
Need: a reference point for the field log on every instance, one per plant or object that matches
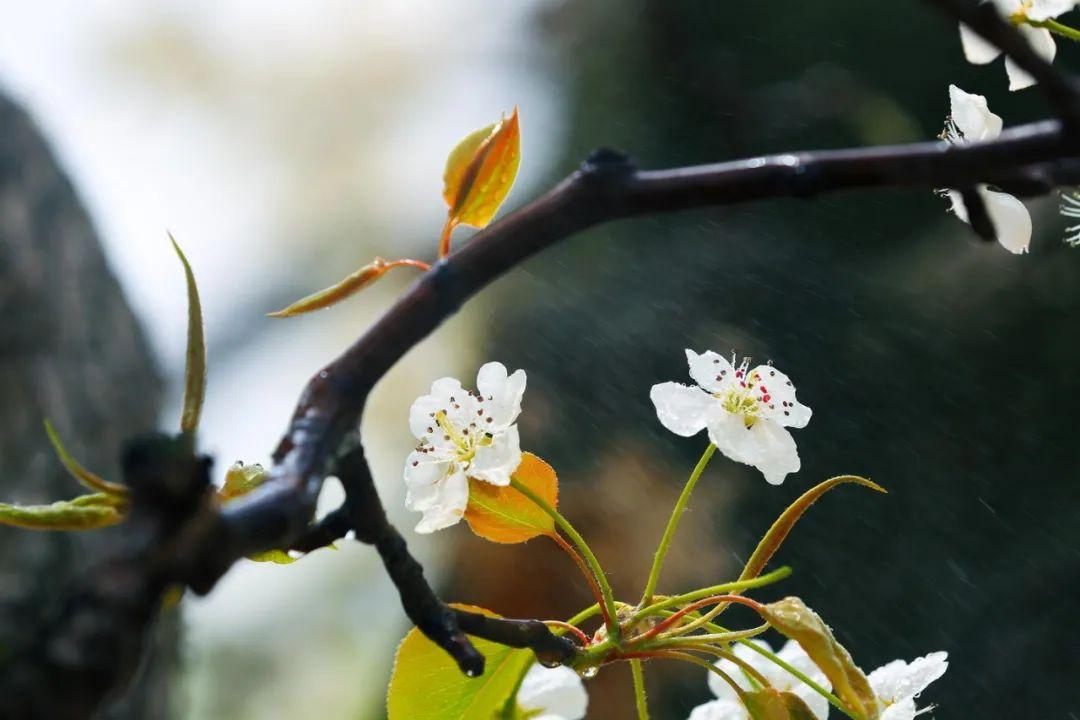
(970, 120)
(552, 694)
(462, 435)
(980, 52)
(745, 411)
(727, 705)
(898, 683)
(1070, 208)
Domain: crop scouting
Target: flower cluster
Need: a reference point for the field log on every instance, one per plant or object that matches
(1026, 15)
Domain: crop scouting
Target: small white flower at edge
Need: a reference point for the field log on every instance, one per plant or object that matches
(898, 683)
(728, 707)
(970, 120)
(745, 411)
(462, 434)
(980, 52)
(552, 694)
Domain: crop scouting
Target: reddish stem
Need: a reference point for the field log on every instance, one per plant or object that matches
(713, 600)
(444, 239)
(410, 262)
(580, 562)
(576, 631)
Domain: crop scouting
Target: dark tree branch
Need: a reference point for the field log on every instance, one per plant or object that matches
(1027, 159)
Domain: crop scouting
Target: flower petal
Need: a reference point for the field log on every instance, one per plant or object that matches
(898, 680)
(710, 370)
(794, 655)
(730, 435)
(495, 463)
(976, 50)
(1042, 42)
(972, 117)
(756, 660)
(1046, 9)
(778, 454)
(680, 408)
(439, 490)
(500, 394)
(552, 694)
(777, 397)
(719, 709)
(904, 710)
(1012, 221)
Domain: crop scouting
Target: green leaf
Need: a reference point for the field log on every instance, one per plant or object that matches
(771, 704)
(240, 479)
(80, 473)
(426, 684)
(792, 618)
(195, 370)
(278, 557)
(86, 512)
(783, 525)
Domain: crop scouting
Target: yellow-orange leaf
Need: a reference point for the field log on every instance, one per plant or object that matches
(351, 285)
(240, 479)
(480, 171)
(504, 515)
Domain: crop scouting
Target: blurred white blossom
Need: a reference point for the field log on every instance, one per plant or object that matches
(552, 694)
(463, 434)
(745, 411)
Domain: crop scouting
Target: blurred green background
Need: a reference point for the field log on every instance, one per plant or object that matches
(286, 145)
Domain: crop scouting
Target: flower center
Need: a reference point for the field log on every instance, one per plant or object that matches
(465, 441)
(745, 395)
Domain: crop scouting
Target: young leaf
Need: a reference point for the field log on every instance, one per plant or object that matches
(480, 171)
(195, 370)
(278, 557)
(793, 619)
(783, 525)
(504, 515)
(240, 479)
(81, 474)
(426, 684)
(86, 512)
(351, 285)
(771, 704)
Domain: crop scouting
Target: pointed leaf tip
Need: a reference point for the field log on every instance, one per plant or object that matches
(195, 366)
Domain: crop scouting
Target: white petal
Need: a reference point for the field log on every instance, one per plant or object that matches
(719, 686)
(794, 655)
(1012, 221)
(730, 435)
(780, 405)
(720, 710)
(972, 116)
(710, 370)
(495, 463)
(439, 490)
(446, 396)
(553, 693)
(976, 50)
(681, 409)
(905, 710)
(779, 457)
(1042, 42)
(1045, 9)
(898, 680)
(501, 394)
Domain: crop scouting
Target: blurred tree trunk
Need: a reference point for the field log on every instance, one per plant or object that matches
(70, 351)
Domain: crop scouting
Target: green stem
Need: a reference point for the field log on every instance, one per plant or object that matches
(731, 587)
(673, 523)
(1057, 28)
(833, 700)
(614, 631)
(639, 690)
